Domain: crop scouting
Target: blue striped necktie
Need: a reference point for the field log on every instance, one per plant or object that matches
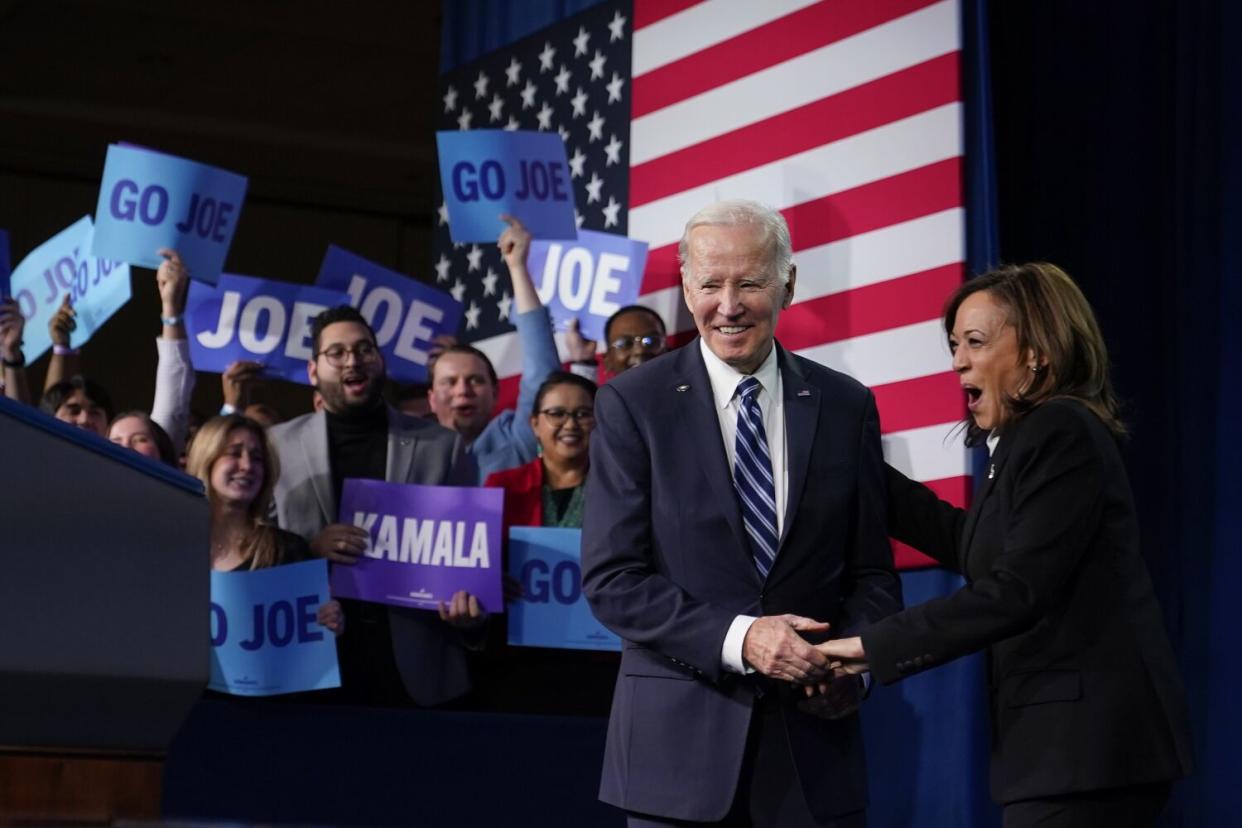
(752, 477)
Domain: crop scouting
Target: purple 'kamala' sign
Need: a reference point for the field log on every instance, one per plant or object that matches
(427, 542)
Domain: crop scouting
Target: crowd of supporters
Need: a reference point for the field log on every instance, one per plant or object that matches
(251, 461)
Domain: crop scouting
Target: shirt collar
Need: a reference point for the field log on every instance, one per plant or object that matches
(993, 439)
(724, 378)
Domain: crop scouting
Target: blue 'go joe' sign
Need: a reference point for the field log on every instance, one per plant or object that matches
(255, 319)
(486, 172)
(149, 200)
(405, 314)
(264, 635)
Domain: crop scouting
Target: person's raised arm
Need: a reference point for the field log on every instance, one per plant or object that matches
(12, 324)
(64, 363)
(174, 375)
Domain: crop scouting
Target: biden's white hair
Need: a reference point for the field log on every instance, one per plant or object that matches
(737, 213)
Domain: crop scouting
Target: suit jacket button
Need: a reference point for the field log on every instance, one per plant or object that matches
(918, 661)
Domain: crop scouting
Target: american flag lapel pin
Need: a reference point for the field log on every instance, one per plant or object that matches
(804, 393)
(683, 388)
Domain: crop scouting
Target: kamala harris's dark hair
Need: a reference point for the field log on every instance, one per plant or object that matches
(1052, 318)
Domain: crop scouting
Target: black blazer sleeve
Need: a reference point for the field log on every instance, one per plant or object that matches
(1049, 498)
(918, 518)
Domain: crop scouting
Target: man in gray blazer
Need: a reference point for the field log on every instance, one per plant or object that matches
(389, 655)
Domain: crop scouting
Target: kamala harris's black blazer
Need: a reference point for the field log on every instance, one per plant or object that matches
(1084, 689)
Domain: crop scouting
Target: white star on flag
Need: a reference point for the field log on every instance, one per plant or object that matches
(578, 217)
(480, 85)
(614, 88)
(593, 188)
(562, 80)
(596, 126)
(597, 65)
(580, 42)
(513, 71)
(545, 57)
(575, 164)
(616, 28)
(613, 150)
(528, 95)
(458, 289)
(442, 268)
(463, 120)
(472, 315)
(489, 282)
(610, 212)
(545, 117)
(502, 305)
(495, 106)
(513, 124)
(564, 133)
(475, 257)
(579, 102)
(450, 99)
(443, 213)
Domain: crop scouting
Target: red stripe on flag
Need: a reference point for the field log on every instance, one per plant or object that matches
(864, 310)
(889, 201)
(507, 392)
(921, 402)
(752, 51)
(953, 489)
(861, 108)
(647, 12)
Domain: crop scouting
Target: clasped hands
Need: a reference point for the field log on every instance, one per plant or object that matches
(343, 544)
(827, 672)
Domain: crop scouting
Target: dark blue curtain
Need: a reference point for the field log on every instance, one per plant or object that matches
(1119, 157)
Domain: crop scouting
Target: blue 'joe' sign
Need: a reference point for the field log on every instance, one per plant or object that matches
(486, 172)
(149, 200)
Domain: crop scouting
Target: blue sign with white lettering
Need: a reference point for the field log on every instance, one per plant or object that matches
(260, 320)
(486, 172)
(406, 315)
(589, 279)
(552, 611)
(5, 266)
(265, 638)
(62, 266)
(149, 200)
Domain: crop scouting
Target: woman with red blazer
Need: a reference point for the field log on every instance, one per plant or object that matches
(548, 492)
(1088, 713)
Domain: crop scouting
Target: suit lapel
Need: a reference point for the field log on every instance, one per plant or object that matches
(400, 451)
(693, 391)
(980, 497)
(314, 440)
(801, 400)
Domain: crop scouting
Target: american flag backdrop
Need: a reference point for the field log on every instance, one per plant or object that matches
(846, 115)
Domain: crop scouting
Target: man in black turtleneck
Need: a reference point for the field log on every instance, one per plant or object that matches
(388, 655)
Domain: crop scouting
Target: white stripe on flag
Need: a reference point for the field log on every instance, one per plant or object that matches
(897, 354)
(930, 453)
(871, 54)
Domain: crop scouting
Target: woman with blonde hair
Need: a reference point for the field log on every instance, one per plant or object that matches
(1089, 719)
(232, 456)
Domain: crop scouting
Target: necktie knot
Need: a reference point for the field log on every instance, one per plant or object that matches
(748, 389)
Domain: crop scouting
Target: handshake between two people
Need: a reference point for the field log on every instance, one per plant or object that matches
(828, 672)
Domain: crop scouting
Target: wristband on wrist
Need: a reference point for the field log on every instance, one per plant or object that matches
(64, 350)
(172, 321)
(20, 362)
(226, 410)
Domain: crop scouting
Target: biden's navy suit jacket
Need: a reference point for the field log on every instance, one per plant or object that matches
(667, 566)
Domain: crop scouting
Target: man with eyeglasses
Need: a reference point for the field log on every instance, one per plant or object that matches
(388, 655)
(635, 334)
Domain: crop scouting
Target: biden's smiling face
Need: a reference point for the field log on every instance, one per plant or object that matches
(733, 291)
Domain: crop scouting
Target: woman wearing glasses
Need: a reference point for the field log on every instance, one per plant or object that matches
(548, 492)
